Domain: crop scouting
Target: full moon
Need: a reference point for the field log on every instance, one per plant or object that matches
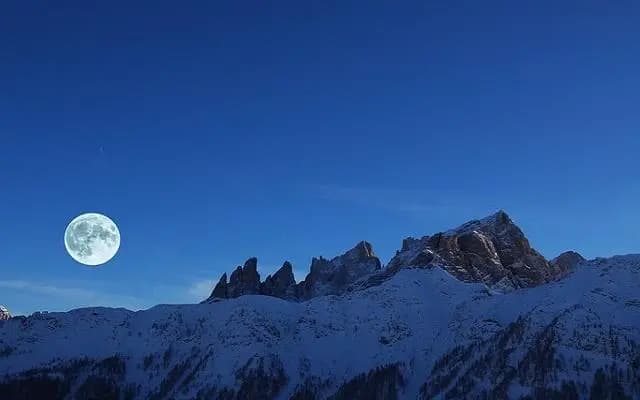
(92, 239)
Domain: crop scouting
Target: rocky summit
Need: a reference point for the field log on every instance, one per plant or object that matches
(492, 250)
(4, 314)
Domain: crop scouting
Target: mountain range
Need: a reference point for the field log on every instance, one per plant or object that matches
(470, 313)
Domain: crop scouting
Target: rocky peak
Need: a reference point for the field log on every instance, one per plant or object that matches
(334, 276)
(510, 242)
(286, 272)
(325, 276)
(491, 250)
(244, 280)
(362, 251)
(4, 314)
(220, 290)
(568, 260)
(495, 222)
(282, 284)
(319, 265)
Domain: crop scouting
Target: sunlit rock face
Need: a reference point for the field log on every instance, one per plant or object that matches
(492, 250)
(4, 314)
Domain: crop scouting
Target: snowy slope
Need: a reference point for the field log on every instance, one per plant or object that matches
(421, 334)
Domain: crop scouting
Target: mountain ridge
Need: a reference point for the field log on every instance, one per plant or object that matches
(414, 331)
(420, 334)
(325, 277)
(493, 250)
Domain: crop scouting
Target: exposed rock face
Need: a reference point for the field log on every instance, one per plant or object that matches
(332, 277)
(492, 250)
(325, 277)
(4, 314)
(282, 284)
(244, 280)
(568, 260)
(220, 291)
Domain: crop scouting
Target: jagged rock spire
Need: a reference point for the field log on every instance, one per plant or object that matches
(4, 314)
(281, 284)
(243, 280)
(220, 291)
(325, 276)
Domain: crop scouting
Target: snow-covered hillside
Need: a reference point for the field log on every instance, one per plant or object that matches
(471, 313)
(419, 333)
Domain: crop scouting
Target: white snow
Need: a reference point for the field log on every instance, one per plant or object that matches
(414, 317)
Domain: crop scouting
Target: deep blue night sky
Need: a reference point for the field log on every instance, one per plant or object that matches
(211, 133)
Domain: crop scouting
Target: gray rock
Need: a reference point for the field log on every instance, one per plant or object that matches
(282, 284)
(567, 261)
(220, 291)
(334, 276)
(4, 314)
(243, 280)
(234, 288)
(492, 250)
(325, 277)
(250, 277)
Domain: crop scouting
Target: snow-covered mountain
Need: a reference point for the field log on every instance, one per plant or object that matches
(419, 329)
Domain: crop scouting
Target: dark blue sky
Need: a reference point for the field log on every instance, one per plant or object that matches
(211, 133)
